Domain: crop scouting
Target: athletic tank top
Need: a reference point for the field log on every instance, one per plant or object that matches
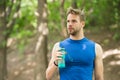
(79, 59)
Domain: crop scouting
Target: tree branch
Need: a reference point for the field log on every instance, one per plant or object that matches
(9, 8)
(11, 23)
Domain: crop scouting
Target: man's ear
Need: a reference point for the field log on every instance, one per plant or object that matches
(83, 23)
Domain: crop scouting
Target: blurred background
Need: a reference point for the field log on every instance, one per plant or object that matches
(30, 28)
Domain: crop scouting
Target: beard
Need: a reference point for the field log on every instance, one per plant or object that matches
(73, 32)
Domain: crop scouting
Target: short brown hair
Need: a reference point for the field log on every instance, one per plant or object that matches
(77, 12)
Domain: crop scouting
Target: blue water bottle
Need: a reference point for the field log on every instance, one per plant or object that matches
(61, 63)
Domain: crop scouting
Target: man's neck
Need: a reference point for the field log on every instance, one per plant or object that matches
(77, 37)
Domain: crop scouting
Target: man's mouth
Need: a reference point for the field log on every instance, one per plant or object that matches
(70, 28)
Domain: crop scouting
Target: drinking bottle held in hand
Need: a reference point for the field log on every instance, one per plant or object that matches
(61, 63)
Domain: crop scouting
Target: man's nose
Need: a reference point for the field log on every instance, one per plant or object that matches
(69, 25)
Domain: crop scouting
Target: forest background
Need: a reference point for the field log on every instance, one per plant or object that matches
(30, 28)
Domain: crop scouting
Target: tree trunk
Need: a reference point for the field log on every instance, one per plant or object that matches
(62, 14)
(74, 4)
(3, 41)
(41, 46)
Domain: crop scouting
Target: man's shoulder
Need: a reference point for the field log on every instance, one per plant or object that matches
(90, 41)
(98, 49)
(97, 45)
(56, 44)
(61, 43)
(64, 41)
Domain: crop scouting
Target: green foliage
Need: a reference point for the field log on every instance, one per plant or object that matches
(27, 19)
(106, 41)
(116, 36)
(116, 30)
(3, 44)
(67, 4)
(25, 24)
(53, 15)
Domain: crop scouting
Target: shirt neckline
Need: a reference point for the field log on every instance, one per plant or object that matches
(80, 40)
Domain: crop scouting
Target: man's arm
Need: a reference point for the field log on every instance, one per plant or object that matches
(52, 67)
(98, 63)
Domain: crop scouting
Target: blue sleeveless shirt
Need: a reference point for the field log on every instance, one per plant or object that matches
(79, 59)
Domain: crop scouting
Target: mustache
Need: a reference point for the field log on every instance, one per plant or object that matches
(70, 28)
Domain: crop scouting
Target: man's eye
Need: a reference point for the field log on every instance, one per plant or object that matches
(73, 20)
(68, 21)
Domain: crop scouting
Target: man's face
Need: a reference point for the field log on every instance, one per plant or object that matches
(73, 24)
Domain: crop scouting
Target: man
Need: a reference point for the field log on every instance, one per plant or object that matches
(83, 58)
